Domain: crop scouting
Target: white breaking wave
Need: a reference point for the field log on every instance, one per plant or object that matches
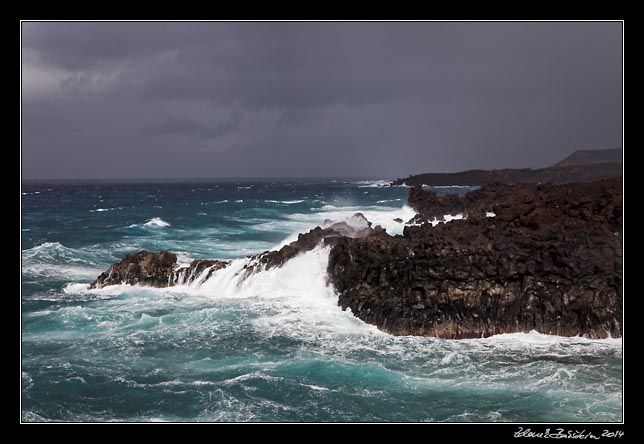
(446, 218)
(60, 272)
(156, 222)
(100, 210)
(291, 202)
(75, 289)
(286, 202)
(296, 297)
(49, 252)
(373, 183)
(459, 216)
(535, 339)
(378, 215)
(52, 259)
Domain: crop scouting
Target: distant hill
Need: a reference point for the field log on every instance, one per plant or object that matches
(592, 166)
(587, 157)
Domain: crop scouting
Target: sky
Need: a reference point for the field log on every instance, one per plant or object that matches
(118, 100)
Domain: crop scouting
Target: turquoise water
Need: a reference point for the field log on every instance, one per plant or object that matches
(274, 347)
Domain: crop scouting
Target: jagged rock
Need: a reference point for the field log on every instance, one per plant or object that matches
(550, 261)
(143, 268)
(159, 270)
(355, 227)
(431, 206)
(154, 270)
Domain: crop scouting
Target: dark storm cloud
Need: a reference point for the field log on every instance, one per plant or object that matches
(167, 124)
(293, 99)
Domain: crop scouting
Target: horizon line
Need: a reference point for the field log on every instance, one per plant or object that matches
(176, 179)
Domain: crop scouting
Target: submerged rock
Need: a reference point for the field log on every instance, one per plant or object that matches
(551, 261)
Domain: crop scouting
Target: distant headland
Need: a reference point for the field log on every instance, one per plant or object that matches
(580, 166)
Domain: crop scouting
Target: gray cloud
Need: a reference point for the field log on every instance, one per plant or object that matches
(279, 99)
(166, 124)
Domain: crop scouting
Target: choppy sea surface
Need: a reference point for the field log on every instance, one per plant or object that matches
(274, 347)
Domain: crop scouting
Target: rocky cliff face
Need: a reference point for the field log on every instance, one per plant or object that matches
(550, 261)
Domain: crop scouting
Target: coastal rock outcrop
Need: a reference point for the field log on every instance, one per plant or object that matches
(154, 270)
(356, 226)
(142, 268)
(160, 270)
(551, 261)
(431, 206)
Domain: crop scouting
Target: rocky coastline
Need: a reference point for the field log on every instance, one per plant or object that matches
(550, 260)
(580, 166)
(524, 257)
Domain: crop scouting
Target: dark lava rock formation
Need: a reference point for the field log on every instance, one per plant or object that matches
(431, 206)
(159, 270)
(154, 270)
(555, 174)
(551, 261)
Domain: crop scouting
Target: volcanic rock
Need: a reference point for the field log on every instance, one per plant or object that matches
(142, 268)
(155, 270)
(551, 261)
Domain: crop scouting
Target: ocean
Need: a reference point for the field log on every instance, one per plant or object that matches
(273, 347)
